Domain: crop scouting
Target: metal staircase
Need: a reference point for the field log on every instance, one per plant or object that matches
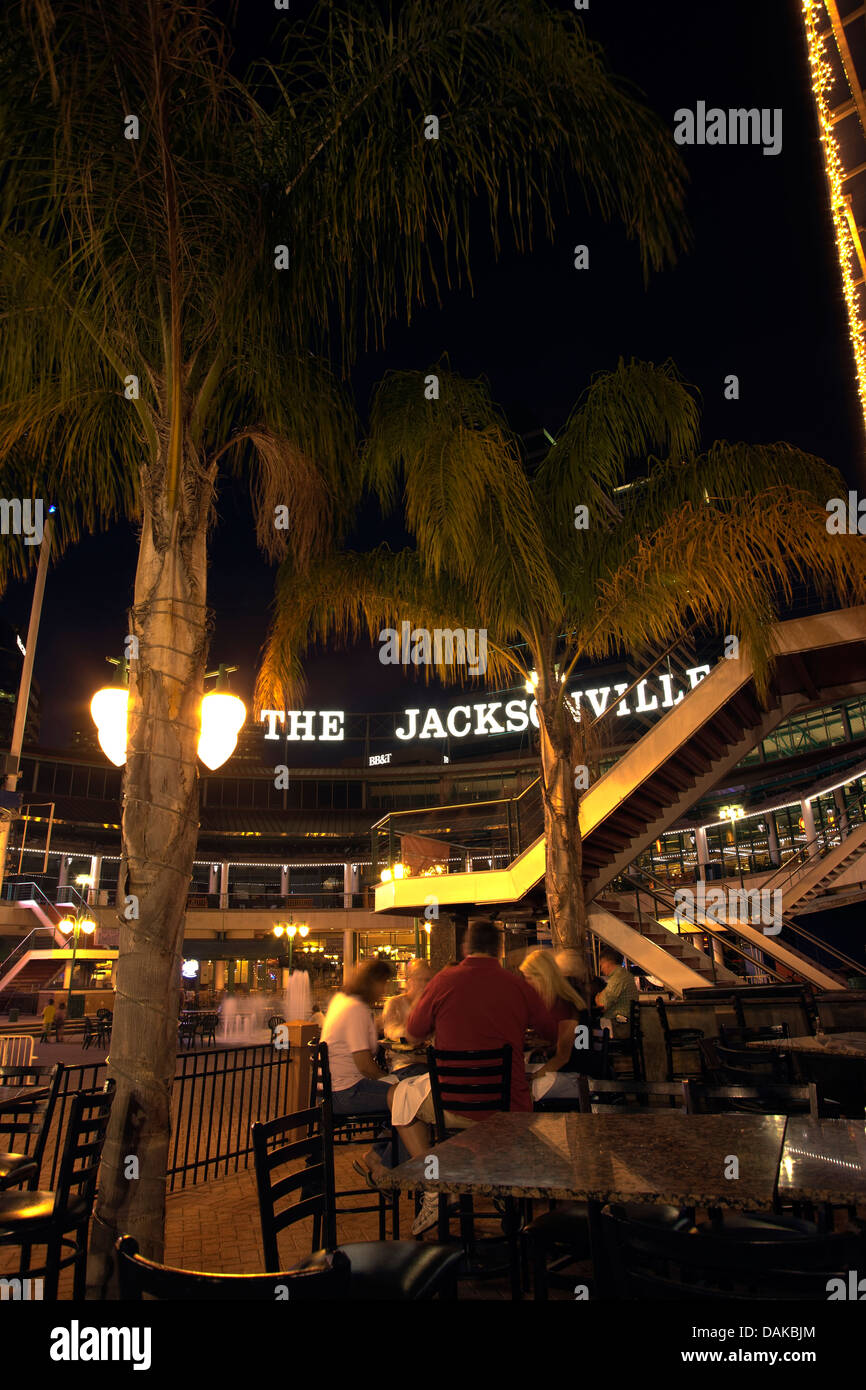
(680, 759)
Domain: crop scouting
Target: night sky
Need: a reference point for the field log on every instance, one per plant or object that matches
(758, 295)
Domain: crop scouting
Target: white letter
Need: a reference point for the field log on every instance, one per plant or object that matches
(272, 715)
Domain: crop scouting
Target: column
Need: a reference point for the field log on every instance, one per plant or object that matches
(224, 884)
(284, 881)
(773, 839)
(213, 878)
(219, 975)
(841, 813)
(95, 873)
(701, 850)
(809, 827)
(348, 953)
(63, 872)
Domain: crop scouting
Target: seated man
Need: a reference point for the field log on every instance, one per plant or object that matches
(399, 1006)
(475, 1005)
(616, 997)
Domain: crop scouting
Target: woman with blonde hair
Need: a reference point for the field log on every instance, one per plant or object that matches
(573, 1038)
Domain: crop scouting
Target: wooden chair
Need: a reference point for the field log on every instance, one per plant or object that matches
(289, 1167)
(322, 1276)
(27, 1117)
(759, 1263)
(60, 1218)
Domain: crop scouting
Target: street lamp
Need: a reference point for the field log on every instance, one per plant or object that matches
(221, 717)
(77, 927)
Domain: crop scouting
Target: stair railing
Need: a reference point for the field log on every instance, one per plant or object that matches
(27, 944)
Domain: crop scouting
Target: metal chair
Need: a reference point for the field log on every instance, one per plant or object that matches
(104, 1020)
(632, 1046)
(352, 1129)
(59, 1218)
(766, 1261)
(17, 1051)
(294, 1158)
(27, 1116)
(677, 1040)
(319, 1276)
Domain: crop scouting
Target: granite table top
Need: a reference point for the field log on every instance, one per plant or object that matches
(665, 1157)
(823, 1044)
(823, 1161)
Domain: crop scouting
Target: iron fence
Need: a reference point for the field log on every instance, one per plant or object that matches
(216, 1096)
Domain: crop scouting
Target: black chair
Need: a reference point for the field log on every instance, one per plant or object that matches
(207, 1026)
(764, 1098)
(318, 1276)
(90, 1033)
(353, 1129)
(104, 1020)
(594, 1062)
(745, 1066)
(187, 1031)
(658, 1262)
(49, 1217)
(27, 1116)
(384, 1270)
(737, 1038)
(474, 1084)
(632, 1046)
(677, 1040)
(621, 1094)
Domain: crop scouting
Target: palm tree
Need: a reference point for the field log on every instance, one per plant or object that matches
(179, 245)
(715, 539)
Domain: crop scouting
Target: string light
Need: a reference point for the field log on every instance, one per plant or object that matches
(823, 78)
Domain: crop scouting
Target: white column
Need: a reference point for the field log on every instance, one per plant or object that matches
(841, 813)
(773, 839)
(213, 878)
(63, 873)
(284, 881)
(701, 850)
(348, 944)
(224, 884)
(809, 827)
(349, 880)
(95, 872)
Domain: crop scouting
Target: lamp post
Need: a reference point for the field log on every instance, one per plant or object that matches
(13, 758)
(77, 927)
(290, 930)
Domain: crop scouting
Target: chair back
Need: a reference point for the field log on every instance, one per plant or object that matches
(738, 1066)
(29, 1116)
(765, 1098)
(16, 1052)
(287, 1167)
(104, 1013)
(468, 1083)
(663, 1017)
(738, 1037)
(320, 1276)
(652, 1261)
(642, 1092)
(86, 1129)
(320, 1073)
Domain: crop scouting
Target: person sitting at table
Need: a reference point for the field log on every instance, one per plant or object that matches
(358, 1084)
(399, 1006)
(616, 997)
(570, 1011)
(475, 1005)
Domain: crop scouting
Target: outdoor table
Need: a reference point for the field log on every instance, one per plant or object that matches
(836, 1062)
(11, 1096)
(666, 1157)
(823, 1161)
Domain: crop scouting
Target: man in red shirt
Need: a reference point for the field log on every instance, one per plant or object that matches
(477, 1005)
(474, 1006)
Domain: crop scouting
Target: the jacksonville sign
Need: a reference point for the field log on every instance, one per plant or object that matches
(485, 717)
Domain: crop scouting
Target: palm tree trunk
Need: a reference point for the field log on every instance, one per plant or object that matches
(160, 828)
(564, 857)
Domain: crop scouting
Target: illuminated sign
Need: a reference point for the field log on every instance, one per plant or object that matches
(378, 759)
(481, 718)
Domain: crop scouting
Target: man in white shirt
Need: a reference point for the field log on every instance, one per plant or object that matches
(399, 1006)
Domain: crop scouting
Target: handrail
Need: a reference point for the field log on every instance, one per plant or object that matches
(22, 947)
(638, 881)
